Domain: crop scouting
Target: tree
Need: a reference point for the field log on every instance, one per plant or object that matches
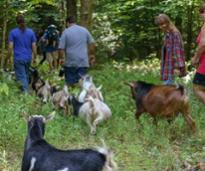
(72, 8)
(86, 11)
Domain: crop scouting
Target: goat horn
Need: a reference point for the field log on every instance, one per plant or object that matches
(129, 84)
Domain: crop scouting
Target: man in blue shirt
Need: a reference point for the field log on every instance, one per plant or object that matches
(78, 45)
(22, 41)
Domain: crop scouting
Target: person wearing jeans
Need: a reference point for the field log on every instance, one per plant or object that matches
(22, 41)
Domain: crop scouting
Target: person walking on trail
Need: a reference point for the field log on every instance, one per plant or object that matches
(22, 41)
(78, 45)
(172, 57)
(199, 60)
(50, 41)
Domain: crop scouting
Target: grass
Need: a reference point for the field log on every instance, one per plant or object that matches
(148, 147)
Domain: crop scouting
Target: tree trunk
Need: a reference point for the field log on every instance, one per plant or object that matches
(86, 10)
(72, 8)
(4, 31)
(189, 31)
(62, 14)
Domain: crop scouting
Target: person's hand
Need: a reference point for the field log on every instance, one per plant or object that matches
(34, 61)
(177, 72)
(92, 60)
(194, 61)
(61, 61)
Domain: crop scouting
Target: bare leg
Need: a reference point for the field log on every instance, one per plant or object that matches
(49, 59)
(200, 92)
(190, 122)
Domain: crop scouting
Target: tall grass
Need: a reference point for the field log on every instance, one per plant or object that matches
(147, 147)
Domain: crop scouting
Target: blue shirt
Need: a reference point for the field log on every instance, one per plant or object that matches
(22, 43)
(75, 40)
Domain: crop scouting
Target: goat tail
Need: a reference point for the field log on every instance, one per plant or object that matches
(91, 100)
(110, 164)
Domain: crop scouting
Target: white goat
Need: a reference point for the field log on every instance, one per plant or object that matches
(88, 88)
(92, 111)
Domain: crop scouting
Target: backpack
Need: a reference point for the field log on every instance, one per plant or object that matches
(52, 36)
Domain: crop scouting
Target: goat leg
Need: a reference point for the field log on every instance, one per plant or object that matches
(92, 127)
(137, 115)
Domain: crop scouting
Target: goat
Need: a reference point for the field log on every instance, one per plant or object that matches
(88, 88)
(39, 155)
(44, 92)
(34, 79)
(161, 100)
(92, 111)
(60, 99)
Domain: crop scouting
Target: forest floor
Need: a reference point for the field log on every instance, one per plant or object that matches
(150, 147)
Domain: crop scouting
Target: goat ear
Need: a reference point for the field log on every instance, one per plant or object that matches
(47, 82)
(129, 84)
(50, 116)
(99, 88)
(65, 88)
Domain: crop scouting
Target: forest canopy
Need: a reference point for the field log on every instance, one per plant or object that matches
(123, 29)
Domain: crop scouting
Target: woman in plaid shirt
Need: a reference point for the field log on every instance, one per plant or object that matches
(172, 57)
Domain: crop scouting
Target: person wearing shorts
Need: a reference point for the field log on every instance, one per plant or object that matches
(199, 60)
(76, 43)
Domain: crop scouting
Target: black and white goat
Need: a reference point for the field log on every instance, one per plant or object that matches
(92, 111)
(34, 79)
(88, 88)
(39, 155)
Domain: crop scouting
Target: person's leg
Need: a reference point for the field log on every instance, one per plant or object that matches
(21, 74)
(27, 65)
(54, 57)
(200, 92)
(70, 76)
(80, 72)
(50, 60)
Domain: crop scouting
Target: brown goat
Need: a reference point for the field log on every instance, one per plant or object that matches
(161, 100)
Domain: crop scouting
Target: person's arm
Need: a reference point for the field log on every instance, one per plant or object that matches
(179, 58)
(91, 53)
(10, 49)
(91, 48)
(199, 51)
(61, 56)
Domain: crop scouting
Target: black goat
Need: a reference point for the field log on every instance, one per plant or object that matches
(41, 156)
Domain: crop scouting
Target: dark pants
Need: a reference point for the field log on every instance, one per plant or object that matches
(199, 79)
(21, 69)
(73, 74)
